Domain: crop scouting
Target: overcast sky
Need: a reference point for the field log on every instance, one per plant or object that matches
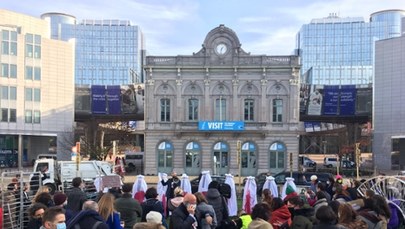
(179, 27)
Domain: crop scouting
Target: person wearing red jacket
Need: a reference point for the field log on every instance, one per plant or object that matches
(280, 214)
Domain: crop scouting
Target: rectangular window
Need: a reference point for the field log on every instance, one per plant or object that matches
(28, 72)
(220, 109)
(37, 116)
(273, 159)
(37, 95)
(37, 51)
(4, 92)
(13, 93)
(13, 48)
(29, 38)
(193, 109)
(28, 94)
(249, 110)
(13, 36)
(4, 70)
(277, 110)
(13, 71)
(5, 47)
(4, 114)
(28, 116)
(29, 50)
(37, 73)
(13, 115)
(5, 35)
(165, 110)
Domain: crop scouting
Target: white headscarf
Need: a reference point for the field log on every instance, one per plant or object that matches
(249, 195)
(185, 184)
(289, 181)
(232, 204)
(205, 180)
(271, 185)
(161, 189)
(98, 183)
(139, 186)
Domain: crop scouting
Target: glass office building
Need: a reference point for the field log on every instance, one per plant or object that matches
(108, 52)
(339, 51)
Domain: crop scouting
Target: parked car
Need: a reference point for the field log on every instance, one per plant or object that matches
(333, 162)
(194, 182)
(306, 161)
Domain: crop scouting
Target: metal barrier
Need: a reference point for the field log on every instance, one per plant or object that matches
(17, 191)
(391, 187)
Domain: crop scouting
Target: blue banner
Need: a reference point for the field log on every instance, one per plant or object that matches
(348, 100)
(98, 101)
(330, 100)
(114, 99)
(221, 125)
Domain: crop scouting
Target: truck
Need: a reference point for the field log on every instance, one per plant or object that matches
(58, 175)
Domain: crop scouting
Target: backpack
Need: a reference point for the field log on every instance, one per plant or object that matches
(225, 190)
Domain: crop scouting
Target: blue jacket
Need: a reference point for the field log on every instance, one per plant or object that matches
(113, 221)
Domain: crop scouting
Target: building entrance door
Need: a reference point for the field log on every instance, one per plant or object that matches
(221, 159)
(248, 159)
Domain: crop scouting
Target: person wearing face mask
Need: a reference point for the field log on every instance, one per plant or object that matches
(54, 218)
(76, 197)
(36, 211)
(183, 217)
(60, 200)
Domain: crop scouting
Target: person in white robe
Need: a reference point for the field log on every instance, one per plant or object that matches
(271, 185)
(249, 195)
(139, 188)
(205, 180)
(185, 184)
(232, 203)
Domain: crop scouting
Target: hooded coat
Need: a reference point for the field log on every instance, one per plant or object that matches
(280, 216)
(217, 201)
(303, 217)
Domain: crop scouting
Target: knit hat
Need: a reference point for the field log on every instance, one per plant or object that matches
(59, 198)
(289, 190)
(314, 177)
(154, 217)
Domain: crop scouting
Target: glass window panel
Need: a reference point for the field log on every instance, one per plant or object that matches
(28, 94)
(273, 159)
(37, 73)
(220, 109)
(37, 52)
(13, 71)
(189, 158)
(169, 158)
(277, 110)
(13, 48)
(28, 72)
(161, 158)
(28, 50)
(4, 92)
(244, 159)
(13, 115)
(4, 70)
(13, 93)
(37, 116)
(37, 95)
(193, 109)
(5, 35)
(165, 110)
(37, 39)
(5, 47)
(249, 110)
(4, 114)
(224, 160)
(28, 116)
(280, 160)
(29, 38)
(13, 36)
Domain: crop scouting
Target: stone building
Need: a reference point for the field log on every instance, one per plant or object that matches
(198, 107)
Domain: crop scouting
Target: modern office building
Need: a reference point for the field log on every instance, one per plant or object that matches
(389, 109)
(340, 51)
(108, 52)
(198, 107)
(36, 87)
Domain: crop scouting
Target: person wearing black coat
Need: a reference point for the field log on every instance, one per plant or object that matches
(171, 184)
(218, 202)
(183, 216)
(152, 204)
(88, 218)
(76, 197)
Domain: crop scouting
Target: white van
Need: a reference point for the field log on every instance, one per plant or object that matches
(306, 161)
(134, 160)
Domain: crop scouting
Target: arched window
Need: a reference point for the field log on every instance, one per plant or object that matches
(277, 152)
(165, 157)
(193, 158)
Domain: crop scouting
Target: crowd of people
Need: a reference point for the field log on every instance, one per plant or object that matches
(334, 204)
